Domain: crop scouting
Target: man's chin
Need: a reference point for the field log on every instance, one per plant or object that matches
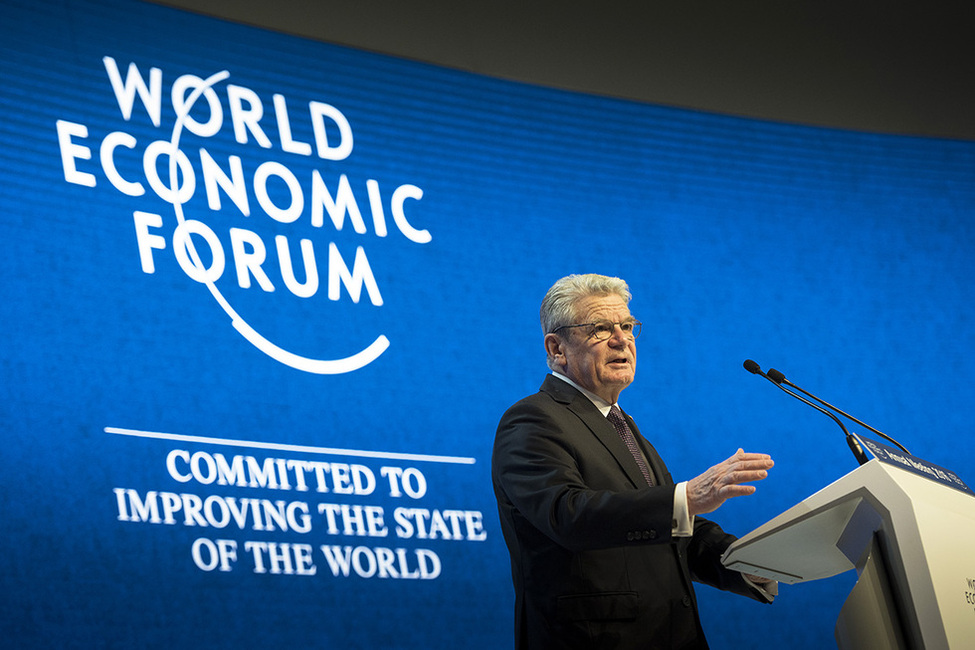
(619, 380)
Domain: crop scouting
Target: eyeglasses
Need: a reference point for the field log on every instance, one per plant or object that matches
(602, 330)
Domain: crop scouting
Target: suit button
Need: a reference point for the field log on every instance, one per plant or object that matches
(686, 601)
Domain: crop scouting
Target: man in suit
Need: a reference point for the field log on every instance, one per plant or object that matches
(603, 544)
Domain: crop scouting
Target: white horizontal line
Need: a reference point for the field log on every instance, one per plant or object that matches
(461, 460)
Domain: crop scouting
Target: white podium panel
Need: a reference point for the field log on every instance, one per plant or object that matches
(911, 539)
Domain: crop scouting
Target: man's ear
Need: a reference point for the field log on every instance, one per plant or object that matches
(555, 349)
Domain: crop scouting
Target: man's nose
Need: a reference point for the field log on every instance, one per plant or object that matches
(619, 337)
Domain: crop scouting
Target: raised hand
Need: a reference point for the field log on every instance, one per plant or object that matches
(708, 491)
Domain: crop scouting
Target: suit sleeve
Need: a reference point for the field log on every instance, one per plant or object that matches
(704, 560)
(552, 473)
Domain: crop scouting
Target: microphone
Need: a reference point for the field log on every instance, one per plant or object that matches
(854, 445)
(779, 378)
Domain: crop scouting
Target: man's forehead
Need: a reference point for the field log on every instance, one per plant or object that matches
(603, 306)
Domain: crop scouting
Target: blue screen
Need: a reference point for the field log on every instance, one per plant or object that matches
(265, 299)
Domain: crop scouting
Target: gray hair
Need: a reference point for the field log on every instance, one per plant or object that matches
(560, 304)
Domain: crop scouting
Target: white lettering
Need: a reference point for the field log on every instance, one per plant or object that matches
(218, 511)
(182, 193)
(107, 156)
(223, 553)
(246, 119)
(233, 185)
(248, 262)
(343, 203)
(191, 82)
(309, 287)
(344, 148)
(71, 151)
(150, 95)
(400, 195)
(287, 214)
(282, 558)
(382, 562)
(457, 525)
(189, 259)
(284, 129)
(269, 473)
(146, 241)
(409, 480)
(356, 520)
(353, 281)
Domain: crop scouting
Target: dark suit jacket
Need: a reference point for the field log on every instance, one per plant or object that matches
(593, 561)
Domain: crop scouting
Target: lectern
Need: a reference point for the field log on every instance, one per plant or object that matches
(906, 526)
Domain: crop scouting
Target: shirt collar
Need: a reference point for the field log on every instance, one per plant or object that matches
(598, 401)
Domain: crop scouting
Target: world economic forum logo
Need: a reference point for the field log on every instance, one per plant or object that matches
(205, 109)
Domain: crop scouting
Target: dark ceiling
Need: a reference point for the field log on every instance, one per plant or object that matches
(887, 66)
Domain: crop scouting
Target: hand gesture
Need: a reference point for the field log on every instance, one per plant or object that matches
(708, 491)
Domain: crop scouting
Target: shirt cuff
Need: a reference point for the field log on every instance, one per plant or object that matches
(683, 522)
(768, 589)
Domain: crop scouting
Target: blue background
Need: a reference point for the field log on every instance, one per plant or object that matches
(843, 259)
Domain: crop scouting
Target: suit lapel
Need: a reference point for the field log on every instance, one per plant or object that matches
(603, 430)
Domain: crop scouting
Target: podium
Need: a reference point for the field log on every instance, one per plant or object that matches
(909, 534)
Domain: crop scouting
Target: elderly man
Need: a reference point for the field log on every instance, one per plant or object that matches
(604, 545)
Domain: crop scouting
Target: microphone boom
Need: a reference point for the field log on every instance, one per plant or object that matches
(855, 447)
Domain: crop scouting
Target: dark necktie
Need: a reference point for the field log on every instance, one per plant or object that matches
(619, 423)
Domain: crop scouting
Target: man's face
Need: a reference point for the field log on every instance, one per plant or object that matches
(603, 367)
